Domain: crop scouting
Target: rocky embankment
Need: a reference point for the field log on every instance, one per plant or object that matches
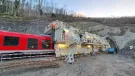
(32, 26)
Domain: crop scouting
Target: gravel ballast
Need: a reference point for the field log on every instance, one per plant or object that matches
(100, 65)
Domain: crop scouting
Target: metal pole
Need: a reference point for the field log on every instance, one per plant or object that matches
(53, 35)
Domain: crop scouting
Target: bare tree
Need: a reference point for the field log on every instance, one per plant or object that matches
(65, 9)
(52, 6)
(3, 4)
(40, 7)
(16, 7)
(22, 7)
(30, 8)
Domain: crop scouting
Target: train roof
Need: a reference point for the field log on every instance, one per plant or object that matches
(8, 33)
(45, 35)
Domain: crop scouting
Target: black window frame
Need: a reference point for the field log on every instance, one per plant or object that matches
(34, 42)
(8, 42)
(44, 43)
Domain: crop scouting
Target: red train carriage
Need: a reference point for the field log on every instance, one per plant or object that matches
(12, 42)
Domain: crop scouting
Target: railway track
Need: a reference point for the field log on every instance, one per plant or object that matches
(27, 61)
(18, 56)
(35, 62)
(19, 66)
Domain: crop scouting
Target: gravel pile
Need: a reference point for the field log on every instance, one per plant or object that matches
(126, 51)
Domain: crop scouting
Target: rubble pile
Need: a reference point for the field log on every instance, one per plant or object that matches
(127, 51)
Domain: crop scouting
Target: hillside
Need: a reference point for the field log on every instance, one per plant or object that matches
(35, 26)
(101, 26)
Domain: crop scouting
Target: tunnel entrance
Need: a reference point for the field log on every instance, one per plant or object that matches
(112, 44)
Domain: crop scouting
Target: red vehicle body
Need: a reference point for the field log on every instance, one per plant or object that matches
(11, 42)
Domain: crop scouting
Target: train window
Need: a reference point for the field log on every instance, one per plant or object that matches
(45, 44)
(32, 43)
(11, 41)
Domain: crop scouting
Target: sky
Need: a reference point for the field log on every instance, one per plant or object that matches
(100, 8)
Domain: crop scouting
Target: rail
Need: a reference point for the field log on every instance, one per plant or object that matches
(4, 57)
